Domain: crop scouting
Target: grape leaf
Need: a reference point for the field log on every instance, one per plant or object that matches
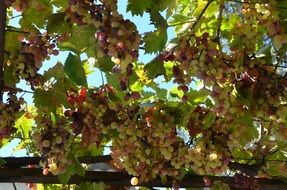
(24, 124)
(208, 120)
(137, 86)
(66, 176)
(55, 72)
(82, 39)
(161, 5)
(44, 99)
(56, 23)
(74, 70)
(155, 68)
(2, 161)
(51, 99)
(175, 92)
(36, 15)
(138, 7)
(79, 169)
(155, 41)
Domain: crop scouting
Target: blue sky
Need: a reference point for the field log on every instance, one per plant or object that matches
(93, 79)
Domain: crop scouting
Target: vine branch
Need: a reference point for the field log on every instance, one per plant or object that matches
(200, 15)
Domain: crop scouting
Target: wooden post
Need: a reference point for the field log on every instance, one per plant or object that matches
(3, 15)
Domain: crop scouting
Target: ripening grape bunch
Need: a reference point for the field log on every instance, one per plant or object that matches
(92, 114)
(207, 157)
(197, 56)
(9, 112)
(116, 36)
(147, 145)
(53, 139)
(34, 49)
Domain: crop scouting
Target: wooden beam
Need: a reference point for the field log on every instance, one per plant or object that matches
(3, 15)
(34, 175)
(15, 162)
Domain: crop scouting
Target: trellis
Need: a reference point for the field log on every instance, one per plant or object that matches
(12, 172)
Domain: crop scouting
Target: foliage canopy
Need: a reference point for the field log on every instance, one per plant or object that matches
(222, 109)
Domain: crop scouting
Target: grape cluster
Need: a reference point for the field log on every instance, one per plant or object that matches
(93, 115)
(198, 56)
(208, 153)
(35, 48)
(207, 157)
(18, 5)
(9, 112)
(117, 37)
(148, 146)
(52, 138)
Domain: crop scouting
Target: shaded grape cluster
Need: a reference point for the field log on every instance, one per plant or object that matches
(9, 112)
(53, 139)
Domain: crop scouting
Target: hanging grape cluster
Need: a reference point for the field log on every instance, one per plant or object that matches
(148, 145)
(52, 139)
(93, 115)
(117, 37)
(35, 48)
(9, 112)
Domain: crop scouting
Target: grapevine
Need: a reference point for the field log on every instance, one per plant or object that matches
(211, 101)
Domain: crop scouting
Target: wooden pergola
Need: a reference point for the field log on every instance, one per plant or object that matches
(15, 170)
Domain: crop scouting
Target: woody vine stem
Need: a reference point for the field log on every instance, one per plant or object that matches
(2, 45)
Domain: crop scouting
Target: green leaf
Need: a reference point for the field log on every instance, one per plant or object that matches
(105, 63)
(83, 37)
(68, 46)
(208, 120)
(79, 169)
(24, 124)
(168, 70)
(74, 70)
(175, 92)
(155, 68)
(55, 72)
(138, 7)
(137, 86)
(36, 14)
(161, 5)
(56, 23)
(45, 99)
(53, 98)
(2, 161)
(155, 41)
(197, 97)
(65, 177)
(160, 92)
